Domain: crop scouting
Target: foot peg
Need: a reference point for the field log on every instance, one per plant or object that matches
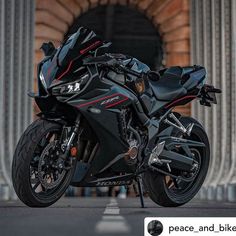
(179, 125)
(156, 153)
(154, 157)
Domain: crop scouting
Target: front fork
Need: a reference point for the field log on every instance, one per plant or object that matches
(68, 145)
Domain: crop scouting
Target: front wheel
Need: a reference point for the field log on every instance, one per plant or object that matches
(170, 192)
(38, 174)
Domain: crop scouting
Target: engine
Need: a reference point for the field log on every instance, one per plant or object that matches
(130, 136)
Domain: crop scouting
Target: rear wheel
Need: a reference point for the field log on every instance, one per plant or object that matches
(171, 192)
(38, 173)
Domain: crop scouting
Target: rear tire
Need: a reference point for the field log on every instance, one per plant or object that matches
(24, 153)
(156, 183)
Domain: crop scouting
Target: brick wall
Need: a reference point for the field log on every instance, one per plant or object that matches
(171, 18)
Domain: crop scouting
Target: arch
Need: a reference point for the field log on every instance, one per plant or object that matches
(171, 19)
(130, 32)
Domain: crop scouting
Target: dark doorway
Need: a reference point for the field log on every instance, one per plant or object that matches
(129, 31)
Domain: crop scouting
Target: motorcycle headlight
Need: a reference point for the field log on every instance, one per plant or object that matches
(71, 88)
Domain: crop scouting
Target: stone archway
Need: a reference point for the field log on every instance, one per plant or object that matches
(130, 32)
(171, 19)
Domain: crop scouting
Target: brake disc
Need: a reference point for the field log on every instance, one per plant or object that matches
(50, 176)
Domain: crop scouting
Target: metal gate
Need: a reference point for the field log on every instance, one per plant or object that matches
(213, 25)
(16, 78)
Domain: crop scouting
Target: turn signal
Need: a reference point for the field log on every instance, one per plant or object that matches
(73, 151)
(140, 86)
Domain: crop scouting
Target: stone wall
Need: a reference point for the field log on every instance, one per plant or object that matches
(16, 71)
(213, 24)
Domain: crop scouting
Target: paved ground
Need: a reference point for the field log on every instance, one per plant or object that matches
(95, 216)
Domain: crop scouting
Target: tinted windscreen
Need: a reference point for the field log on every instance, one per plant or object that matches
(69, 44)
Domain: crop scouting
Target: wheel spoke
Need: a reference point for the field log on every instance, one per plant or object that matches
(36, 185)
(176, 183)
(55, 176)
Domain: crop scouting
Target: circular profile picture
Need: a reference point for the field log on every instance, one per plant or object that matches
(155, 228)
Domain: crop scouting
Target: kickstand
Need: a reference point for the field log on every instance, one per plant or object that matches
(140, 189)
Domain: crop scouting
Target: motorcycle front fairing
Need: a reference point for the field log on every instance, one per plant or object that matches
(60, 67)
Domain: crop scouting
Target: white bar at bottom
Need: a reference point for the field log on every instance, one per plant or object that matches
(201, 226)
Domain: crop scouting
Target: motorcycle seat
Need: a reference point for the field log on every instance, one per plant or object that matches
(167, 89)
(169, 85)
(174, 82)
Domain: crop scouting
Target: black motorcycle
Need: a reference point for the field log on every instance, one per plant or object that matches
(106, 120)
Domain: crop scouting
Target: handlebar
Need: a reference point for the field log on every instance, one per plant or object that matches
(113, 63)
(118, 66)
(128, 71)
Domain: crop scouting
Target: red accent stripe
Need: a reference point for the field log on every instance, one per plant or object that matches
(114, 104)
(82, 52)
(68, 68)
(90, 47)
(180, 99)
(97, 100)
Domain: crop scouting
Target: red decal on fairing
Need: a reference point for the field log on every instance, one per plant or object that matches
(68, 68)
(106, 97)
(180, 99)
(82, 52)
(90, 47)
(116, 103)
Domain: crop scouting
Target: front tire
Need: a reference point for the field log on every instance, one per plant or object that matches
(26, 158)
(158, 185)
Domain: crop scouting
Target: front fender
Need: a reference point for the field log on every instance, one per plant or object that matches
(52, 117)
